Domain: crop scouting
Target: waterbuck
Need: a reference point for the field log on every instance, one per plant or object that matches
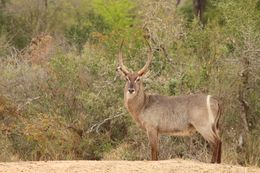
(170, 115)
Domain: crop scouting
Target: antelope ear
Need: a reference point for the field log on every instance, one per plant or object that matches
(144, 75)
(121, 72)
(141, 74)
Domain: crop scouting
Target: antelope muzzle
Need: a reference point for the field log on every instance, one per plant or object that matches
(131, 88)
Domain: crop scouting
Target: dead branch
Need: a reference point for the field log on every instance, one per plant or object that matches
(29, 100)
(96, 126)
(161, 47)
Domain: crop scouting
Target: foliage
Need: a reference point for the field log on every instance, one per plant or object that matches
(117, 13)
(70, 105)
(90, 27)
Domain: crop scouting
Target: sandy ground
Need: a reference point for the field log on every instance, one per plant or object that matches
(165, 166)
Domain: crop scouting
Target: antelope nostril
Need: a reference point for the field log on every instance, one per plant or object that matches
(131, 90)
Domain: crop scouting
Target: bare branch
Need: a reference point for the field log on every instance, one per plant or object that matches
(29, 100)
(96, 126)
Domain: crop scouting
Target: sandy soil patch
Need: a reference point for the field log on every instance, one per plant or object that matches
(165, 166)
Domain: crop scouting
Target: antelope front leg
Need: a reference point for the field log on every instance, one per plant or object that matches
(154, 143)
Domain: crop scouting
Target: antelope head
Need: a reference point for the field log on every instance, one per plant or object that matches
(133, 84)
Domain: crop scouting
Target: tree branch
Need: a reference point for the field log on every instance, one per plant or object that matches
(29, 100)
(96, 126)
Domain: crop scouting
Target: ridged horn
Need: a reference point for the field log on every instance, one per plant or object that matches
(148, 62)
(121, 65)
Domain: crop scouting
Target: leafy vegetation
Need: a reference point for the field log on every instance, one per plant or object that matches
(61, 97)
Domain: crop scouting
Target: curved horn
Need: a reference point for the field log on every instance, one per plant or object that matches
(148, 62)
(121, 66)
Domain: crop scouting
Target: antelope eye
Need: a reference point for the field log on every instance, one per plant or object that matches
(127, 79)
(137, 79)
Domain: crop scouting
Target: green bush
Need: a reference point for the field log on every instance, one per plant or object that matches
(71, 106)
(86, 29)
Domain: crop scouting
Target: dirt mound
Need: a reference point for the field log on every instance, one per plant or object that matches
(166, 166)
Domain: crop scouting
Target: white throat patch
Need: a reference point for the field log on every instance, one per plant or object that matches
(130, 96)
